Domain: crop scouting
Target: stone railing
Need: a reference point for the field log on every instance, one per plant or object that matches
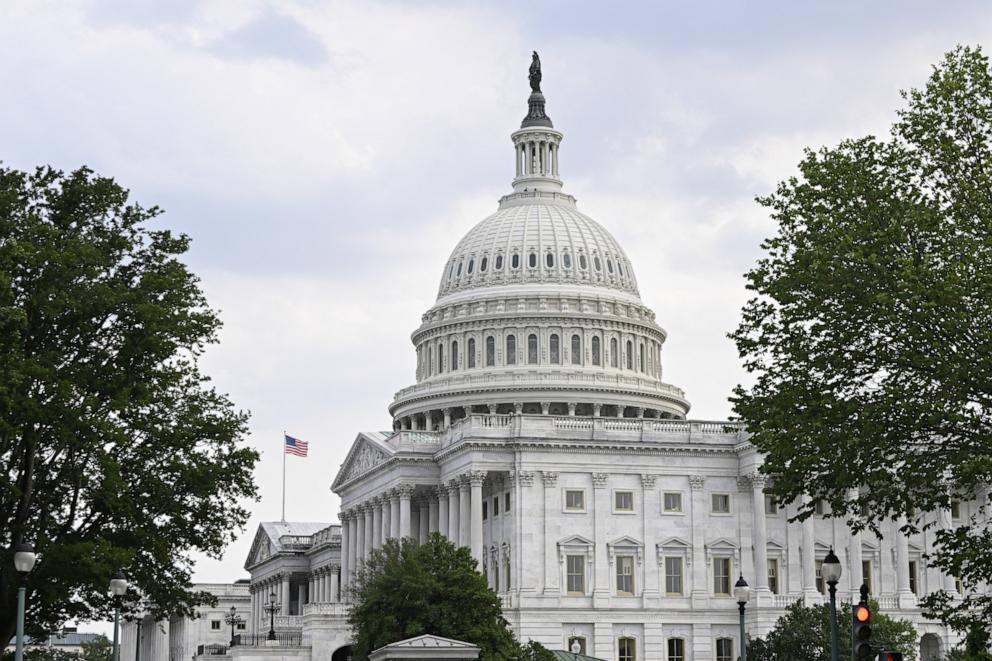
(326, 609)
(888, 602)
(329, 535)
(296, 541)
(784, 600)
(288, 621)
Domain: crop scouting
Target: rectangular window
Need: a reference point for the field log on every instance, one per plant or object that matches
(242, 626)
(819, 507)
(912, 576)
(676, 649)
(673, 577)
(721, 576)
(577, 639)
(770, 506)
(215, 625)
(720, 503)
(724, 649)
(575, 567)
(866, 574)
(821, 585)
(623, 501)
(672, 502)
(575, 501)
(773, 576)
(627, 649)
(955, 510)
(495, 505)
(506, 502)
(485, 511)
(506, 570)
(625, 575)
(959, 584)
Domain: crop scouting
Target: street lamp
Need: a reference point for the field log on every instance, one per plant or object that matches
(742, 593)
(233, 618)
(24, 559)
(118, 586)
(271, 609)
(831, 574)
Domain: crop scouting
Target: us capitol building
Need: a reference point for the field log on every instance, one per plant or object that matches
(540, 433)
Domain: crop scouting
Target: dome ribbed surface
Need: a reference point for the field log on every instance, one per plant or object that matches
(538, 243)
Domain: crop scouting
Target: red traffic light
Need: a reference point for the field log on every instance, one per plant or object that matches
(889, 656)
(862, 613)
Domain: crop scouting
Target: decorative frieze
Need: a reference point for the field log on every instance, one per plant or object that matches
(599, 480)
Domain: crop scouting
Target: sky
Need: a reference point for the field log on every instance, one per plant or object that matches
(326, 157)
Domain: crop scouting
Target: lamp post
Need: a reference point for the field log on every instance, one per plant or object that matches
(742, 593)
(24, 559)
(118, 586)
(232, 618)
(831, 574)
(271, 609)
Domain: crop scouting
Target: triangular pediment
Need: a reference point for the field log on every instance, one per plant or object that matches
(576, 540)
(723, 543)
(261, 548)
(674, 543)
(820, 547)
(775, 546)
(625, 541)
(365, 455)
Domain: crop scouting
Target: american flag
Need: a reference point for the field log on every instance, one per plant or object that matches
(295, 446)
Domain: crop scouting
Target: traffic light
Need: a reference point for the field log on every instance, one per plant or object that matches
(889, 656)
(861, 633)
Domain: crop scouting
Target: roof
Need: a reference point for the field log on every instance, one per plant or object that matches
(568, 656)
(67, 639)
(429, 640)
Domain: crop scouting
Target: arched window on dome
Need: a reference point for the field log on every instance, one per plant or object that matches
(511, 350)
(483, 264)
(470, 358)
(454, 354)
(609, 265)
(620, 268)
(532, 349)
(576, 350)
(532, 260)
(515, 261)
(549, 259)
(640, 355)
(430, 362)
(583, 264)
(490, 351)
(451, 270)
(471, 266)
(498, 265)
(596, 357)
(614, 350)
(566, 260)
(459, 271)
(440, 358)
(554, 345)
(630, 355)
(597, 263)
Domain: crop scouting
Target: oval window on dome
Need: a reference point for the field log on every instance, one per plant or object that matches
(549, 259)
(583, 264)
(515, 261)
(483, 265)
(499, 263)
(609, 265)
(620, 268)
(532, 260)
(596, 263)
(566, 260)
(471, 266)
(459, 271)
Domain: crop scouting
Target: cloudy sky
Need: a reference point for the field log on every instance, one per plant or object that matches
(327, 156)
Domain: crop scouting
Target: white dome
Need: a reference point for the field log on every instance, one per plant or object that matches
(538, 238)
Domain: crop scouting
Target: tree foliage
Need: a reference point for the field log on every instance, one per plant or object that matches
(803, 634)
(406, 589)
(870, 330)
(116, 450)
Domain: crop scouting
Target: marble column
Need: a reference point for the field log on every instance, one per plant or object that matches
(334, 597)
(760, 530)
(699, 515)
(352, 546)
(301, 597)
(360, 541)
(454, 516)
(475, 482)
(406, 492)
(394, 514)
(343, 517)
(944, 523)
(465, 513)
(442, 510)
(424, 521)
(369, 529)
(284, 594)
(810, 594)
(376, 523)
(447, 418)
(855, 573)
(432, 514)
(902, 560)
(385, 507)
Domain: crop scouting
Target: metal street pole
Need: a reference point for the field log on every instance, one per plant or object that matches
(117, 618)
(743, 639)
(834, 652)
(21, 596)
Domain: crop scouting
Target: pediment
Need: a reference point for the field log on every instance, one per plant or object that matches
(820, 547)
(775, 546)
(576, 540)
(722, 544)
(366, 454)
(673, 543)
(626, 541)
(261, 548)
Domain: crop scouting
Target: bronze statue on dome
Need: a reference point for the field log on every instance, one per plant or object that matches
(535, 73)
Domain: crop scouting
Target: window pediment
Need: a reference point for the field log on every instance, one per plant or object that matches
(626, 546)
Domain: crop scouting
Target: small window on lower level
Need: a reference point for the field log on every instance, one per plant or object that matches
(676, 649)
(626, 649)
(242, 626)
(215, 625)
(725, 649)
(506, 502)
(485, 511)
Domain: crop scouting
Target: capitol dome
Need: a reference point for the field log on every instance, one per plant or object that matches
(537, 311)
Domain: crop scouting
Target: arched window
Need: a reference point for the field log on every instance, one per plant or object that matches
(440, 358)
(566, 260)
(620, 268)
(430, 361)
(555, 349)
(454, 354)
(490, 351)
(499, 262)
(451, 269)
(576, 350)
(471, 266)
(549, 259)
(614, 350)
(583, 264)
(459, 271)
(640, 355)
(532, 349)
(532, 260)
(627, 649)
(596, 263)
(609, 265)
(630, 355)
(596, 358)
(470, 358)
(483, 265)
(511, 350)
(515, 261)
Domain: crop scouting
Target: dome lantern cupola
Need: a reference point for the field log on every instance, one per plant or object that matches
(536, 143)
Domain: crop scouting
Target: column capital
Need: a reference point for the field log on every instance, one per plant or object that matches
(550, 478)
(525, 478)
(599, 480)
(757, 480)
(405, 490)
(476, 477)
(697, 482)
(648, 480)
(518, 408)
(596, 409)
(441, 491)
(545, 407)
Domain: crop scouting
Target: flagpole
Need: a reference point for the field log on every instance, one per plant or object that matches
(284, 476)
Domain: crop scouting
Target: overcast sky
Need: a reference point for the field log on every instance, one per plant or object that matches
(326, 157)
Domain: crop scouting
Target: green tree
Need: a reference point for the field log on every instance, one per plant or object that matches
(870, 330)
(117, 451)
(803, 634)
(408, 589)
(98, 649)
